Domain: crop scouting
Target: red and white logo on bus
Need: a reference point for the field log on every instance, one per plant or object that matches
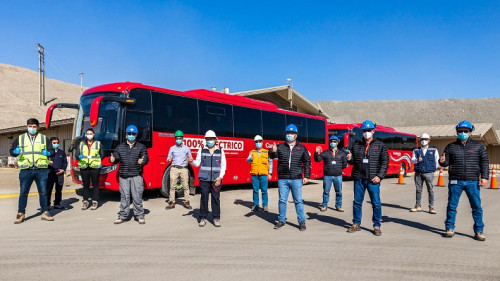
(228, 145)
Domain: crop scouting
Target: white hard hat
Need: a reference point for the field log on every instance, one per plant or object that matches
(425, 136)
(210, 134)
(257, 137)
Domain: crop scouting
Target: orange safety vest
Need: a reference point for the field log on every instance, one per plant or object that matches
(260, 163)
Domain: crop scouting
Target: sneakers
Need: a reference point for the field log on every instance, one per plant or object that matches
(265, 209)
(94, 205)
(141, 221)
(202, 222)
(449, 233)
(118, 221)
(279, 225)
(322, 208)
(19, 218)
(479, 236)
(377, 231)
(217, 222)
(339, 209)
(254, 208)
(187, 205)
(417, 208)
(354, 227)
(302, 226)
(47, 217)
(85, 205)
(431, 210)
(170, 205)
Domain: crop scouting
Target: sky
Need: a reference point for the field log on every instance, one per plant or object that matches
(332, 50)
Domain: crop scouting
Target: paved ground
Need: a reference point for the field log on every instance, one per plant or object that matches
(170, 246)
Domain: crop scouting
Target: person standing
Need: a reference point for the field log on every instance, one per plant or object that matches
(334, 161)
(179, 155)
(34, 150)
(90, 154)
(132, 156)
(370, 161)
(426, 160)
(57, 165)
(212, 162)
(293, 159)
(468, 170)
(261, 168)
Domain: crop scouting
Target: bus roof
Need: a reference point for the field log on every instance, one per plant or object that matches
(358, 125)
(198, 94)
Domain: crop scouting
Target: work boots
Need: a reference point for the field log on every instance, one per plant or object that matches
(19, 218)
(377, 231)
(431, 210)
(94, 205)
(479, 236)
(85, 205)
(417, 208)
(187, 205)
(449, 233)
(46, 216)
(354, 227)
(170, 205)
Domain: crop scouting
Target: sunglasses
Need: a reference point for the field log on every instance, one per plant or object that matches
(364, 131)
(463, 131)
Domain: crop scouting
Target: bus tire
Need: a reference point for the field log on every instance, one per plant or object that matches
(192, 188)
(403, 165)
(165, 183)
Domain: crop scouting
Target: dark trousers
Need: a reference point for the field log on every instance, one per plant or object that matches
(87, 176)
(26, 178)
(58, 180)
(206, 189)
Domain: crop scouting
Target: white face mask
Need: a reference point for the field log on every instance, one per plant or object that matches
(367, 135)
(424, 142)
(90, 137)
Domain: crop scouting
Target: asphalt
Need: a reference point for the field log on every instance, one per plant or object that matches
(170, 246)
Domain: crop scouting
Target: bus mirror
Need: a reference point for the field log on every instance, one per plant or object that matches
(96, 104)
(346, 139)
(50, 110)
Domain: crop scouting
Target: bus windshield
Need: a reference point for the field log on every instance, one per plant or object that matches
(339, 133)
(107, 128)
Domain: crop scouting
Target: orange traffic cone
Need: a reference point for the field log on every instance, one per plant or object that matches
(493, 184)
(401, 176)
(440, 178)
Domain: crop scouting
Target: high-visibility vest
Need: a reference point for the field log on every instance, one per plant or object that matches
(260, 163)
(31, 154)
(90, 158)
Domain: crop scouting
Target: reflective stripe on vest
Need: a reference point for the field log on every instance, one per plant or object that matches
(210, 165)
(260, 163)
(90, 158)
(31, 154)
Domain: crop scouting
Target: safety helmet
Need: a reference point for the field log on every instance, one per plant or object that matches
(425, 136)
(258, 138)
(210, 134)
(291, 128)
(178, 133)
(132, 129)
(368, 125)
(334, 137)
(465, 124)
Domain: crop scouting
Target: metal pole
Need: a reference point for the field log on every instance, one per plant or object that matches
(41, 73)
(81, 81)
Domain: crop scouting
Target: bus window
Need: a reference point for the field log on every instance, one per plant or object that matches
(172, 113)
(384, 137)
(354, 136)
(247, 122)
(143, 122)
(410, 144)
(274, 125)
(316, 131)
(142, 100)
(217, 117)
(300, 122)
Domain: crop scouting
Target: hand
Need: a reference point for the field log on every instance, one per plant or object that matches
(274, 148)
(318, 149)
(251, 157)
(189, 159)
(348, 156)
(443, 158)
(61, 171)
(217, 181)
(141, 160)
(376, 179)
(51, 162)
(45, 152)
(483, 182)
(111, 159)
(420, 159)
(305, 180)
(17, 150)
(169, 159)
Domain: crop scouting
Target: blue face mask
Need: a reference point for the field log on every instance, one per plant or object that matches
(131, 137)
(463, 136)
(32, 131)
(55, 145)
(290, 137)
(333, 144)
(258, 145)
(178, 142)
(210, 143)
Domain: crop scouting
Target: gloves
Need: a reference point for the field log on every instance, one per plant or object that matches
(45, 152)
(17, 150)
(80, 156)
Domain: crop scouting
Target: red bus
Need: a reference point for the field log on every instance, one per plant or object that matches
(158, 113)
(400, 145)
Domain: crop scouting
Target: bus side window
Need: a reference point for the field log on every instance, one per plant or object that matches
(172, 113)
(301, 124)
(142, 100)
(217, 117)
(316, 131)
(247, 122)
(143, 122)
(273, 126)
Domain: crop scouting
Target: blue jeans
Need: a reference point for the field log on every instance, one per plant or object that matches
(26, 178)
(284, 187)
(259, 182)
(360, 185)
(327, 185)
(471, 188)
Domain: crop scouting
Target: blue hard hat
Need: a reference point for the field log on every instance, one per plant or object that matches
(368, 125)
(334, 137)
(132, 129)
(465, 124)
(291, 128)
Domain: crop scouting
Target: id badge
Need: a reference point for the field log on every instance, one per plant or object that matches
(89, 157)
(334, 162)
(365, 160)
(453, 182)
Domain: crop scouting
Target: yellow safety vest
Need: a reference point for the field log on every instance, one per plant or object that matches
(31, 154)
(260, 163)
(90, 158)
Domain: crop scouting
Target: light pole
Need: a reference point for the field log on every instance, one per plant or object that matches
(81, 81)
(288, 82)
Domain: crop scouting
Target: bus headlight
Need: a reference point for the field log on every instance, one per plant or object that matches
(108, 169)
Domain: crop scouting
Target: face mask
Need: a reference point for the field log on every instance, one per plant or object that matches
(55, 145)
(178, 142)
(131, 138)
(424, 142)
(90, 137)
(367, 135)
(210, 143)
(463, 136)
(290, 137)
(32, 131)
(333, 144)
(258, 145)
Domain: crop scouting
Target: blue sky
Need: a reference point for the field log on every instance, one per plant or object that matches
(332, 50)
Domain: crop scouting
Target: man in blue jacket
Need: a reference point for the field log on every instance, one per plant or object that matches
(57, 165)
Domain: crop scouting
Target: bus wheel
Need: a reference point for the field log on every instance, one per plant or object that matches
(192, 188)
(165, 183)
(403, 165)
